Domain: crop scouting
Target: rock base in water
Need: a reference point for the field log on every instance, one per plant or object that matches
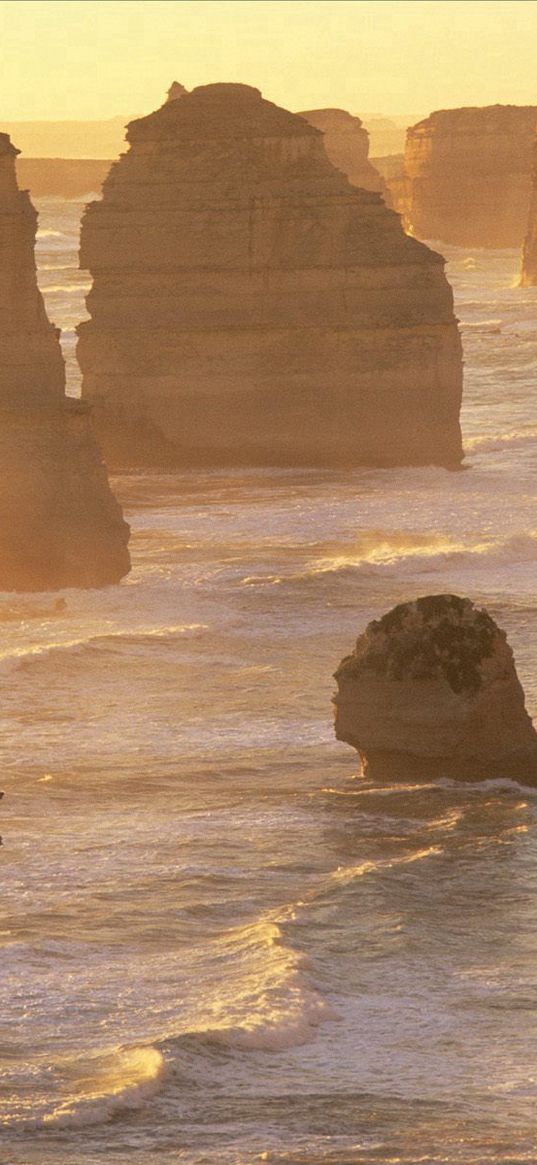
(60, 524)
(431, 691)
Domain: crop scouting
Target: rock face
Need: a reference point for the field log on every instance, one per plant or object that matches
(431, 690)
(468, 175)
(59, 523)
(392, 169)
(249, 306)
(528, 276)
(346, 142)
(176, 91)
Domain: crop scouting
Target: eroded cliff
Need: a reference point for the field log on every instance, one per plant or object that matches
(250, 306)
(346, 142)
(59, 522)
(529, 254)
(468, 175)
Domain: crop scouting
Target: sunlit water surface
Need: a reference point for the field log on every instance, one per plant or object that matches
(219, 946)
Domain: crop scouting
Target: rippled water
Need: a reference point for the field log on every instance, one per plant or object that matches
(218, 944)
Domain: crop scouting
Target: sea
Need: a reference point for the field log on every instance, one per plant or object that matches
(220, 945)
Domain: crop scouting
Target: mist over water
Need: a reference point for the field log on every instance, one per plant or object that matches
(218, 945)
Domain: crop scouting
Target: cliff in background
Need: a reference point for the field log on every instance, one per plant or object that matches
(62, 177)
(346, 142)
(468, 175)
(250, 306)
(59, 522)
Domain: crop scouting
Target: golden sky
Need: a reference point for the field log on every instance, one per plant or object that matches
(100, 58)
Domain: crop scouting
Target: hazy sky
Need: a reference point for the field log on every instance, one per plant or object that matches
(98, 58)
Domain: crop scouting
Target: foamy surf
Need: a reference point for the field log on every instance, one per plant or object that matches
(346, 874)
(94, 640)
(160, 831)
(272, 1003)
(102, 1087)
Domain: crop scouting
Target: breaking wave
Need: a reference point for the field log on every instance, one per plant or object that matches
(106, 1086)
(23, 656)
(515, 440)
(435, 556)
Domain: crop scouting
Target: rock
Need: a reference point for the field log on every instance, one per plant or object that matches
(249, 306)
(346, 142)
(392, 169)
(528, 276)
(468, 175)
(59, 522)
(431, 690)
(175, 92)
(387, 135)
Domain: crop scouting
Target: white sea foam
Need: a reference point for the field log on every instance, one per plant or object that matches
(19, 656)
(101, 1089)
(495, 444)
(346, 874)
(273, 1004)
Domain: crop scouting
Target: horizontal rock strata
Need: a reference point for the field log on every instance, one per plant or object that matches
(468, 175)
(249, 306)
(59, 522)
(431, 690)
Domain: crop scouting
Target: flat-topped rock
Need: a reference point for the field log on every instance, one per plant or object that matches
(59, 522)
(431, 690)
(468, 175)
(250, 306)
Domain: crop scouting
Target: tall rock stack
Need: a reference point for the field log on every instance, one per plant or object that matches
(250, 306)
(468, 175)
(346, 142)
(529, 255)
(59, 522)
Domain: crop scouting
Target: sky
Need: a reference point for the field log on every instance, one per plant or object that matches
(103, 58)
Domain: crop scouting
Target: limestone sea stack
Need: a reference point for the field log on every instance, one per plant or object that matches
(250, 307)
(346, 142)
(59, 522)
(528, 276)
(468, 175)
(431, 690)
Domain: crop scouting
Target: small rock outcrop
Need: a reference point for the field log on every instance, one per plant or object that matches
(468, 175)
(250, 306)
(431, 690)
(346, 142)
(176, 91)
(60, 525)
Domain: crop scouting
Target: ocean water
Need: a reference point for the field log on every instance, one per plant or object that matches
(220, 945)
